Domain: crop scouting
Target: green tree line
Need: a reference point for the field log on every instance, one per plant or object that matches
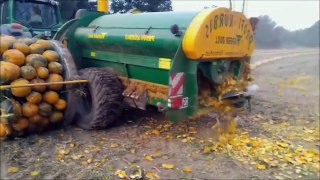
(269, 35)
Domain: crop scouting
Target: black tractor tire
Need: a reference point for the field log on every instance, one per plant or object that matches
(101, 103)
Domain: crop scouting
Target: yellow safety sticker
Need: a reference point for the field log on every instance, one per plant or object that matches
(93, 54)
(164, 63)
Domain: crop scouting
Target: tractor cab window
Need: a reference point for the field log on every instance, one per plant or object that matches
(35, 14)
(4, 13)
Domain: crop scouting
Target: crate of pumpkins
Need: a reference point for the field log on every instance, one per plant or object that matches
(36, 108)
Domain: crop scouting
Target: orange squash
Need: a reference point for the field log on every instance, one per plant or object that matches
(14, 56)
(4, 130)
(39, 88)
(61, 104)
(22, 47)
(56, 117)
(45, 109)
(36, 48)
(29, 109)
(10, 107)
(44, 122)
(28, 72)
(51, 97)
(27, 41)
(21, 124)
(34, 98)
(20, 91)
(51, 56)
(4, 45)
(43, 72)
(55, 67)
(6, 42)
(36, 60)
(35, 119)
(55, 78)
(8, 38)
(45, 44)
(17, 109)
(8, 72)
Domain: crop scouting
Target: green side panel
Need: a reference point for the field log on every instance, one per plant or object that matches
(190, 87)
(144, 68)
(124, 33)
(165, 44)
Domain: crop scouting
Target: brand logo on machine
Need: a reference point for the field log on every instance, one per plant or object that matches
(97, 36)
(135, 37)
(176, 84)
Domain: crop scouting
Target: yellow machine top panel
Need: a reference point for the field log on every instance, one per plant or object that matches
(218, 33)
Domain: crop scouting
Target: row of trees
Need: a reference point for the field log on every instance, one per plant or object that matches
(68, 8)
(268, 34)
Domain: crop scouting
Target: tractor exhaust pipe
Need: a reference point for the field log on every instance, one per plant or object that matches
(103, 6)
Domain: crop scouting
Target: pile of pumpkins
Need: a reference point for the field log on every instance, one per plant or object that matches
(29, 109)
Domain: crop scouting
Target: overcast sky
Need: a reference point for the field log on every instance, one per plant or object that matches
(291, 14)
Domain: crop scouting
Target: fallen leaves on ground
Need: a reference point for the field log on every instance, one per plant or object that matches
(151, 175)
(35, 173)
(13, 169)
(155, 132)
(261, 166)
(265, 152)
(121, 174)
(114, 145)
(167, 166)
(187, 169)
(149, 158)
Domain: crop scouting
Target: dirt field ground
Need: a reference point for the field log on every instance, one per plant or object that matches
(279, 139)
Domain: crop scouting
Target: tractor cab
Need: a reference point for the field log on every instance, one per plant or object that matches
(41, 17)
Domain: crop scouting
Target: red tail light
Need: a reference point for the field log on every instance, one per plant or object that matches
(16, 26)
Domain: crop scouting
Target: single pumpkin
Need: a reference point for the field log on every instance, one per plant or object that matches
(36, 48)
(51, 56)
(11, 110)
(29, 109)
(35, 119)
(36, 60)
(51, 97)
(21, 124)
(34, 97)
(4, 130)
(28, 72)
(61, 104)
(40, 88)
(8, 72)
(44, 122)
(55, 78)
(4, 46)
(45, 109)
(43, 72)
(27, 41)
(20, 91)
(14, 56)
(55, 67)
(45, 44)
(22, 47)
(56, 117)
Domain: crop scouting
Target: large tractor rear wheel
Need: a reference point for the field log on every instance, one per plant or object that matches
(101, 101)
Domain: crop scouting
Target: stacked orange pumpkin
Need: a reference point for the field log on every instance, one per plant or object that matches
(29, 109)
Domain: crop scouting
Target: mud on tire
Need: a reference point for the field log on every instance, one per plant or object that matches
(101, 102)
